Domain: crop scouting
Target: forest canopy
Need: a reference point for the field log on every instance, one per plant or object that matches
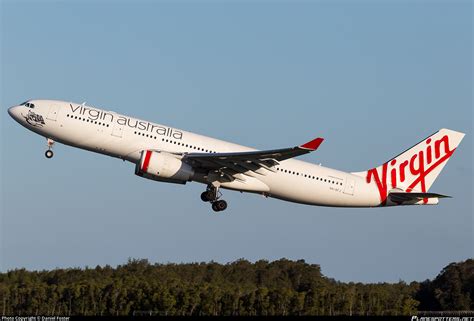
(281, 287)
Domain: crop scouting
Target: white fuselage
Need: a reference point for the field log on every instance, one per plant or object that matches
(120, 136)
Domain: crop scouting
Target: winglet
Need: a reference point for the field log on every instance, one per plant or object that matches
(313, 145)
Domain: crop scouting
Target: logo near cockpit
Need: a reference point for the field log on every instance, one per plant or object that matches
(35, 120)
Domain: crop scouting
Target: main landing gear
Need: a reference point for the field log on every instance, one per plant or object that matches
(212, 195)
(49, 153)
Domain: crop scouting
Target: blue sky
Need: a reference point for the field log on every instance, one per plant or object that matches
(371, 78)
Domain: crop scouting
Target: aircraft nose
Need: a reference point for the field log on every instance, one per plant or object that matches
(13, 111)
(10, 111)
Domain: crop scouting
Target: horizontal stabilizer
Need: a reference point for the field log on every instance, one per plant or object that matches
(402, 196)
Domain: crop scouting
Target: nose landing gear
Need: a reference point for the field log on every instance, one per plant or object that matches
(49, 153)
(212, 195)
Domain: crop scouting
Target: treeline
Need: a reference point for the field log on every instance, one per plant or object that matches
(281, 287)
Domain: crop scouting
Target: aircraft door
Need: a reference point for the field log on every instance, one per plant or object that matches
(350, 186)
(117, 131)
(53, 112)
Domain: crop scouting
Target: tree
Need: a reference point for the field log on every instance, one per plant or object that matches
(281, 287)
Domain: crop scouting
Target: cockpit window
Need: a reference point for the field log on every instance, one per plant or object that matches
(27, 104)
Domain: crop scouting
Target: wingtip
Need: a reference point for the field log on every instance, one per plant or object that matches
(313, 145)
(441, 195)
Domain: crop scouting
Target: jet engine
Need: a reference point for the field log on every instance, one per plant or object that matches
(164, 167)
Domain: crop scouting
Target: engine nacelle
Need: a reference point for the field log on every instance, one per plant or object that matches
(163, 167)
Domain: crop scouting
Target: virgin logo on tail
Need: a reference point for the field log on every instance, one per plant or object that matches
(411, 170)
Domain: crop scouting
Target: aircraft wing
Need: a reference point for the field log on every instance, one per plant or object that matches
(242, 162)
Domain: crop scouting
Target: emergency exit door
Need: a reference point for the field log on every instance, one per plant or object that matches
(350, 186)
(117, 131)
(53, 112)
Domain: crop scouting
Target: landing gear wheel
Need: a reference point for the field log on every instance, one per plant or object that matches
(49, 153)
(219, 206)
(206, 196)
(212, 195)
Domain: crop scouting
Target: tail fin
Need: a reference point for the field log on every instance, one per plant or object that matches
(416, 168)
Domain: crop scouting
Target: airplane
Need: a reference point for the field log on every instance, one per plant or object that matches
(172, 155)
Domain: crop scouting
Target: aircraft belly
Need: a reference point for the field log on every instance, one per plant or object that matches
(300, 190)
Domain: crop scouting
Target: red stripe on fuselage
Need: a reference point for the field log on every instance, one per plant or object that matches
(146, 162)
